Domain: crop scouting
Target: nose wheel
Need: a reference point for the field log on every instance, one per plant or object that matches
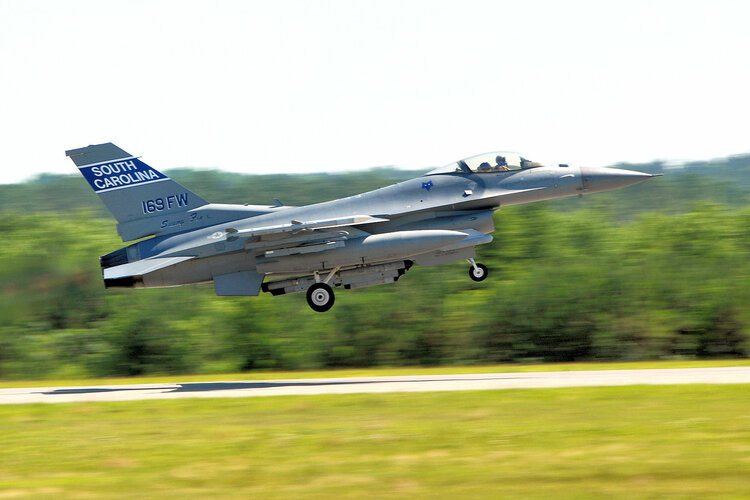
(477, 272)
(320, 297)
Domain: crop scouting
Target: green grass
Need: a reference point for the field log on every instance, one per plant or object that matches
(613, 442)
(378, 372)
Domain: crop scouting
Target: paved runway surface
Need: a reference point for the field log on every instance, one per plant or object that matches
(416, 383)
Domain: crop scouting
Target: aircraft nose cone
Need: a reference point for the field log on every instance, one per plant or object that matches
(596, 179)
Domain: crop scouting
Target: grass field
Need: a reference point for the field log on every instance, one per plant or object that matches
(613, 442)
(378, 372)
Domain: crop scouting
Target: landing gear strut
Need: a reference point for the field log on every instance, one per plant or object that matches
(477, 272)
(320, 297)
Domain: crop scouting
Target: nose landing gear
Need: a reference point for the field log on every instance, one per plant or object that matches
(477, 272)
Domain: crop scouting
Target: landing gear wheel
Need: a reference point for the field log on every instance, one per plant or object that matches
(478, 273)
(320, 297)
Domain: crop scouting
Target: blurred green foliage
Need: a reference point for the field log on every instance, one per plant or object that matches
(658, 270)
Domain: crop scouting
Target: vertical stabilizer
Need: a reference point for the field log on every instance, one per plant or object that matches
(131, 189)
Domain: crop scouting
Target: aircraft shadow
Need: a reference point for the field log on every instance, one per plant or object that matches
(228, 386)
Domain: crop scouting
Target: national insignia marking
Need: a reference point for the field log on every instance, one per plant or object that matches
(427, 185)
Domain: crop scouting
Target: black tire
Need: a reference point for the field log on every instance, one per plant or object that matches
(479, 273)
(320, 297)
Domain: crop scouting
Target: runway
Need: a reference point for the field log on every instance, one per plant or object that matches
(415, 383)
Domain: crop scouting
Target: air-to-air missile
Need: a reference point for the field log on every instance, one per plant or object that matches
(362, 240)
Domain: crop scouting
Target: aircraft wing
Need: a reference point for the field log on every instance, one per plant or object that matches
(301, 237)
(296, 226)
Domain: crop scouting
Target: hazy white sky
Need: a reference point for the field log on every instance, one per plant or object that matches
(310, 86)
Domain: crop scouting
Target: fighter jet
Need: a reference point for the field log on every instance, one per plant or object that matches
(363, 240)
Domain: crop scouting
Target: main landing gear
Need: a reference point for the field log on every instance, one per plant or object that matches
(477, 272)
(320, 296)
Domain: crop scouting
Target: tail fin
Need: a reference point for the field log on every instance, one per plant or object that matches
(129, 188)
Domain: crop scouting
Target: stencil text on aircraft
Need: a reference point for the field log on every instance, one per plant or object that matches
(120, 174)
(166, 203)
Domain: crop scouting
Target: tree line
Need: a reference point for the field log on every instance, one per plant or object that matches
(653, 271)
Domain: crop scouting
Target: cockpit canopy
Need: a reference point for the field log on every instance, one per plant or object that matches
(499, 161)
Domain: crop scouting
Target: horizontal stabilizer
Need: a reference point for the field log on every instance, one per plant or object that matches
(141, 267)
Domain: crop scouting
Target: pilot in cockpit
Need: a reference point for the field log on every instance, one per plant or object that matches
(484, 167)
(502, 165)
